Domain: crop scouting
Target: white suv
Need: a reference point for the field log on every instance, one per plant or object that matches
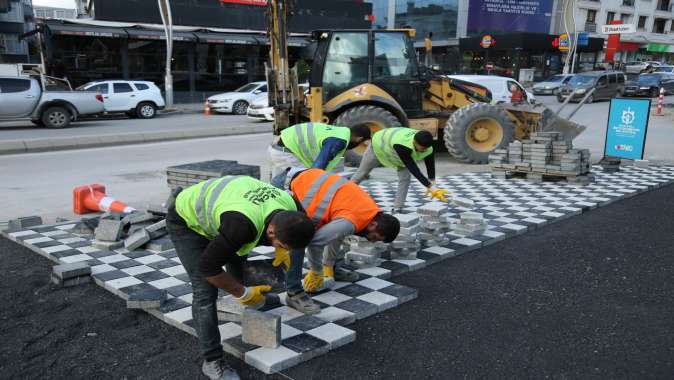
(135, 98)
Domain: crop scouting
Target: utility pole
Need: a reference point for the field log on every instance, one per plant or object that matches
(167, 20)
(569, 21)
(391, 14)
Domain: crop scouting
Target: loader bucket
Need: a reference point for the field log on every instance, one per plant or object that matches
(567, 128)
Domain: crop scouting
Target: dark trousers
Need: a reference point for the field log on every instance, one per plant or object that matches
(189, 246)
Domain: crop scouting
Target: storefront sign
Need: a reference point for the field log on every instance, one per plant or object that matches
(493, 16)
(627, 126)
(583, 39)
(487, 41)
(618, 29)
(261, 3)
(660, 48)
(564, 42)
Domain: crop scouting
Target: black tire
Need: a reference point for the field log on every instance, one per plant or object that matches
(590, 100)
(560, 99)
(462, 119)
(240, 108)
(56, 117)
(365, 115)
(146, 110)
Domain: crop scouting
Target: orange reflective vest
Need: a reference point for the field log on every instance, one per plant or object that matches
(326, 197)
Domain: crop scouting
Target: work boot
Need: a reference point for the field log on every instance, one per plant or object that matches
(344, 275)
(303, 303)
(219, 370)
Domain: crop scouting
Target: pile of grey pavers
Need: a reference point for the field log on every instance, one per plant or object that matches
(406, 244)
(190, 174)
(470, 223)
(434, 225)
(141, 228)
(546, 155)
(610, 164)
(363, 253)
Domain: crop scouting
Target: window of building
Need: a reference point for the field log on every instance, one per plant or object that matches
(659, 25)
(60, 14)
(393, 57)
(609, 17)
(437, 16)
(119, 88)
(628, 3)
(346, 64)
(591, 16)
(664, 5)
(642, 22)
(9, 85)
(626, 18)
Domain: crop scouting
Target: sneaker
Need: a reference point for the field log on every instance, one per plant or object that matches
(345, 275)
(303, 303)
(219, 370)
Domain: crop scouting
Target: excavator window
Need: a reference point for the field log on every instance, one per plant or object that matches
(346, 64)
(392, 57)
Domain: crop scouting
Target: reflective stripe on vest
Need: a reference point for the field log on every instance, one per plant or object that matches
(327, 198)
(306, 149)
(202, 213)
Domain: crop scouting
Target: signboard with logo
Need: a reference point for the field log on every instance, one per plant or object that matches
(618, 29)
(627, 126)
(583, 39)
(494, 16)
(487, 41)
(563, 42)
(660, 48)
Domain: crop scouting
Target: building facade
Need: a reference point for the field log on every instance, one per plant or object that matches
(16, 18)
(54, 12)
(653, 20)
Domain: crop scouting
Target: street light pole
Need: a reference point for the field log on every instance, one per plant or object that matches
(167, 20)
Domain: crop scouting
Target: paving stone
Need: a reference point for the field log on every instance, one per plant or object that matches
(66, 271)
(260, 328)
(305, 322)
(109, 230)
(73, 281)
(360, 308)
(307, 345)
(229, 309)
(402, 293)
(107, 245)
(271, 360)
(138, 217)
(137, 240)
(335, 335)
(159, 245)
(24, 223)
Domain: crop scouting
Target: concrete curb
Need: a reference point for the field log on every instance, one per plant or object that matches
(82, 142)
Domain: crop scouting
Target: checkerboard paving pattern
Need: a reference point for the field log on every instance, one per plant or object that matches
(512, 207)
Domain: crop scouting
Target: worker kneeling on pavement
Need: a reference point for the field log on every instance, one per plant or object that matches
(401, 148)
(314, 145)
(339, 208)
(217, 223)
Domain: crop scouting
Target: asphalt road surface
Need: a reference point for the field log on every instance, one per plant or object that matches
(591, 297)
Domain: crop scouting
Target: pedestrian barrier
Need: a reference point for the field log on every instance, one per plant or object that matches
(207, 109)
(92, 198)
(661, 99)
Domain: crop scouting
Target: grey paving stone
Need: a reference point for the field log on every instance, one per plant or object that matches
(305, 322)
(137, 240)
(152, 276)
(260, 328)
(173, 304)
(179, 290)
(110, 275)
(402, 293)
(159, 245)
(107, 245)
(360, 308)
(73, 281)
(148, 298)
(138, 217)
(308, 346)
(109, 230)
(66, 271)
(23, 223)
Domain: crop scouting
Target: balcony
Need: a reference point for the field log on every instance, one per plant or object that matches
(590, 27)
(628, 3)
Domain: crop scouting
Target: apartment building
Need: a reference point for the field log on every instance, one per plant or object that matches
(16, 18)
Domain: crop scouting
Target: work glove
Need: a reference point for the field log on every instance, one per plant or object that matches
(436, 193)
(253, 295)
(313, 282)
(281, 256)
(328, 271)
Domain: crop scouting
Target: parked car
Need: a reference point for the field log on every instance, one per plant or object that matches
(259, 108)
(22, 97)
(607, 83)
(650, 84)
(664, 69)
(551, 84)
(237, 101)
(134, 98)
(499, 86)
(638, 67)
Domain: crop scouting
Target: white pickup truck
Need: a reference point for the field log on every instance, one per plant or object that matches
(54, 106)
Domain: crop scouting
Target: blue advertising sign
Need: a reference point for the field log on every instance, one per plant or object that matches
(583, 39)
(627, 126)
(494, 16)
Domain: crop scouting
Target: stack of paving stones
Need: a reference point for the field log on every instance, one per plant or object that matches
(193, 173)
(363, 253)
(510, 207)
(406, 245)
(610, 164)
(546, 155)
(434, 225)
(471, 223)
(132, 231)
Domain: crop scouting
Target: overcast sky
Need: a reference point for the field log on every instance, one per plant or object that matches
(55, 3)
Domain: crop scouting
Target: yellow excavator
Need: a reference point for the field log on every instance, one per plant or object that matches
(373, 77)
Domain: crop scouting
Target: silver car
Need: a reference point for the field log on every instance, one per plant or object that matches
(551, 84)
(638, 67)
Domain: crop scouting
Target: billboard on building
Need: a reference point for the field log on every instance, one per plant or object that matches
(507, 16)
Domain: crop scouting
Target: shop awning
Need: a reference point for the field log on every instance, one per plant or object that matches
(228, 38)
(85, 31)
(296, 41)
(146, 34)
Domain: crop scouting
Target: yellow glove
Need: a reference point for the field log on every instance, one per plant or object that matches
(313, 282)
(438, 194)
(253, 296)
(328, 271)
(281, 257)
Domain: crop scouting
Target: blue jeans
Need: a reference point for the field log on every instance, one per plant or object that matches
(189, 246)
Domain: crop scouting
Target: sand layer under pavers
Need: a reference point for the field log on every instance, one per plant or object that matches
(511, 207)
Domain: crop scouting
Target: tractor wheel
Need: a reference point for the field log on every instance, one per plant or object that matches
(376, 118)
(474, 131)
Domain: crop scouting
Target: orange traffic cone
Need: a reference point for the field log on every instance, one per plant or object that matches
(92, 198)
(207, 109)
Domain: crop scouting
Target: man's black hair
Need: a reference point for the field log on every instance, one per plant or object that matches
(388, 226)
(293, 228)
(424, 138)
(361, 130)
